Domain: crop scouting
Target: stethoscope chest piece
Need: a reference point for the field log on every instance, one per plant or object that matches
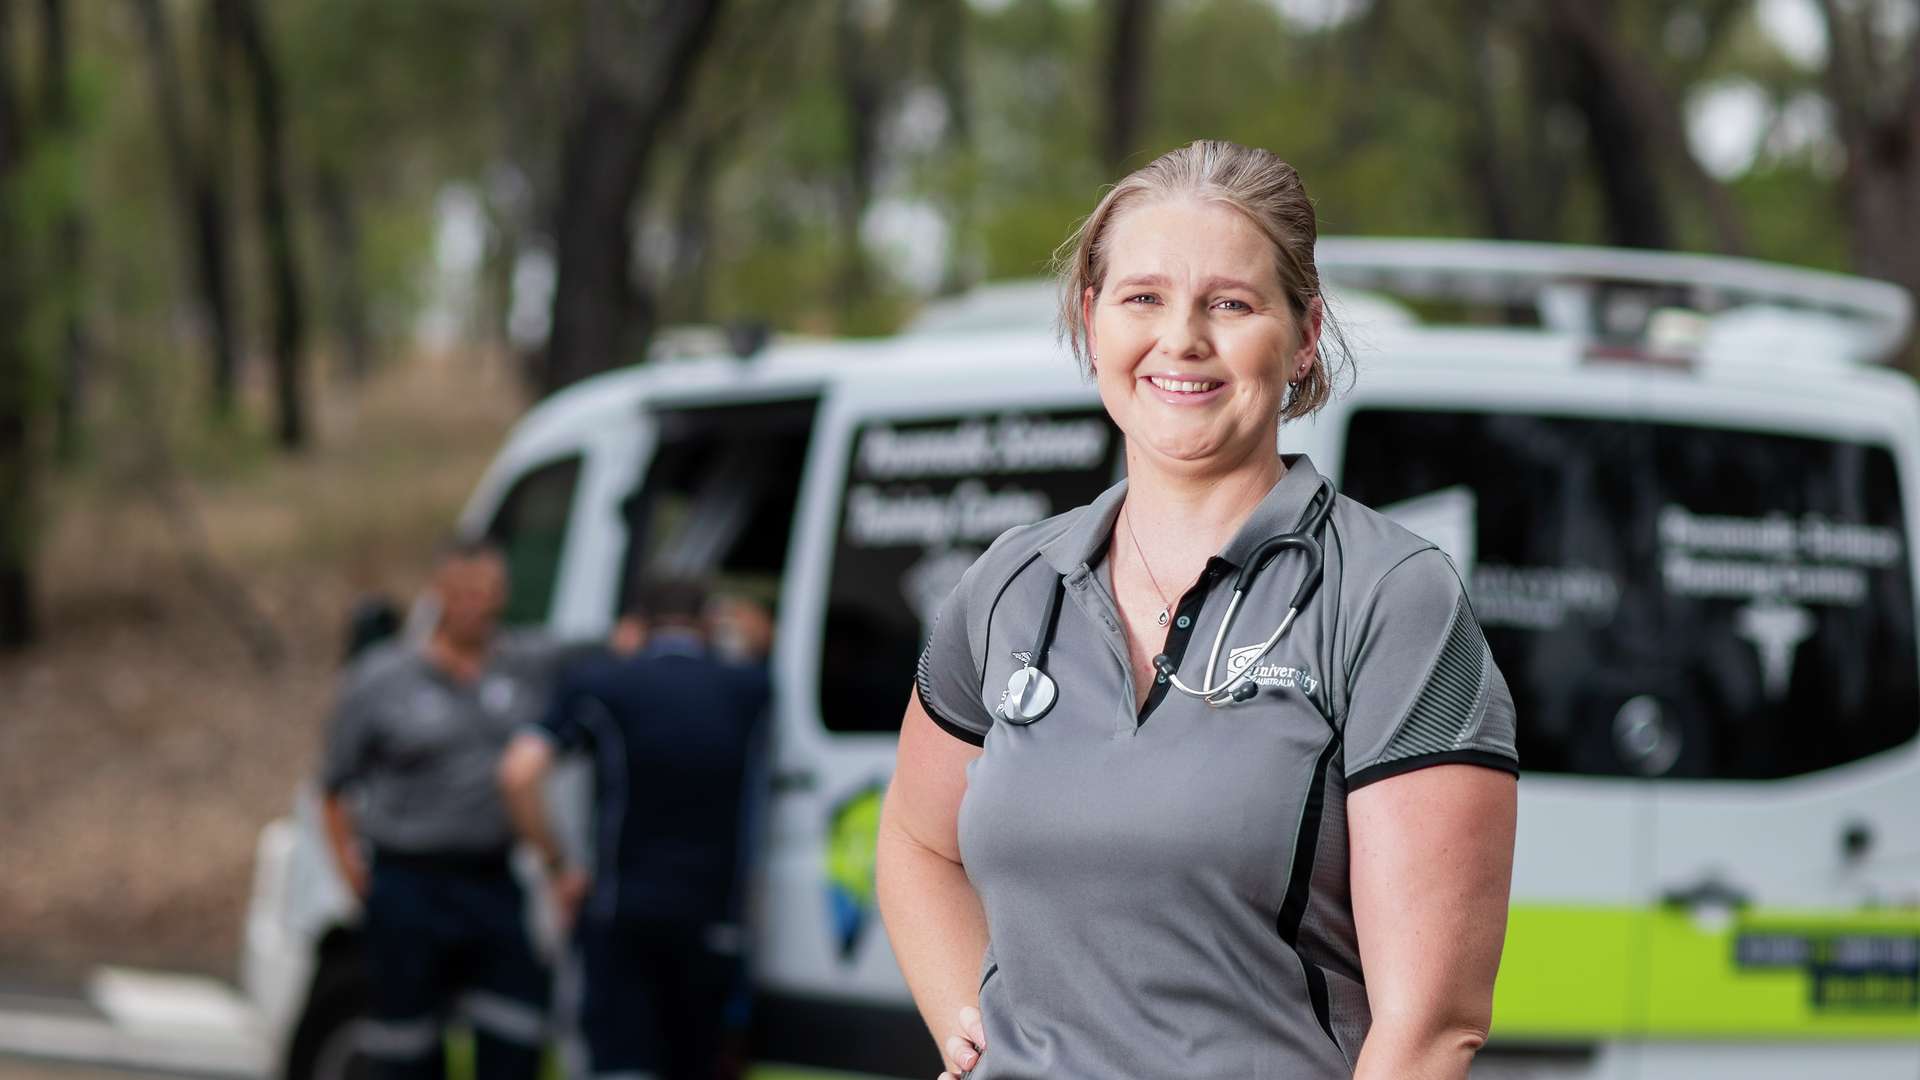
(1030, 693)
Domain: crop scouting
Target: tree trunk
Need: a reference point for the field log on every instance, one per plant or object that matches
(693, 226)
(340, 232)
(241, 25)
(950, 20)
(1127, 97)
(1635, 127)
(16, 382)
(864, 61)
(1618, 147)
(511, 205)
(640, 59)
(950, 67)
(1880, 131)
(758, 67)
(203, 209)
(56, 113)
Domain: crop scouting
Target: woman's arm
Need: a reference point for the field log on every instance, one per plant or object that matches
(932, 915)
(1432, 861)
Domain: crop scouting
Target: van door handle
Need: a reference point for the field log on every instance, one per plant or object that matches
(794, 781)
(1709, 891)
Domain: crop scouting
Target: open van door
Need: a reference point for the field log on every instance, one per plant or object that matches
(909, 481)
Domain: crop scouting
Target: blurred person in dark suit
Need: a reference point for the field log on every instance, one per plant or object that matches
(421, 835)
(671, 727)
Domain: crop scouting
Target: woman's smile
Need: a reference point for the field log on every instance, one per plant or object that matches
(1185, 390)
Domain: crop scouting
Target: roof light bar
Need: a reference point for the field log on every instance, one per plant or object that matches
(1567, 284)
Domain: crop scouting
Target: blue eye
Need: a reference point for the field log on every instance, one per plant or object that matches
(1141, 297)
(1239, 305)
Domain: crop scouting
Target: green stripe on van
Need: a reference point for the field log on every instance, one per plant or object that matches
(1656, 973)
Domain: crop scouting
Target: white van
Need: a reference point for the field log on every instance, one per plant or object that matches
(1683, 494)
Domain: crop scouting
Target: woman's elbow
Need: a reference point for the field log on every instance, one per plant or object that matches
(1466, 1036)
(1434, 1032)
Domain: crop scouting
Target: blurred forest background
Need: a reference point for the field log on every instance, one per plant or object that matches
(276, 275)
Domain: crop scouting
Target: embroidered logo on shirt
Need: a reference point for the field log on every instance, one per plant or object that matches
(497, 694)
(1277, 675)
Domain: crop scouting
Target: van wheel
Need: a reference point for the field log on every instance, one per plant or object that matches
(325, 1045)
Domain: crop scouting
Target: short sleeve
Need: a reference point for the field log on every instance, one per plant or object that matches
(1422, 687)
(564, 724)
(351, 728)
(948, 676)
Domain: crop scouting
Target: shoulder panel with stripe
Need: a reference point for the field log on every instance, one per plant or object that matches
(1420, 685)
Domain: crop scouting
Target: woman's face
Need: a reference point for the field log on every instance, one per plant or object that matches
(1192, 336)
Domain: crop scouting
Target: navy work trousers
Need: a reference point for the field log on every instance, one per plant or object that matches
(654, 997)
(447, 940)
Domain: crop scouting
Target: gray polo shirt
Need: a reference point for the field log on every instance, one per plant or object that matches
(1166, 890)
(421, 749)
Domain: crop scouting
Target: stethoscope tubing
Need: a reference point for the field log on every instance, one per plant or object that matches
(1031, 691)
(1221, 695)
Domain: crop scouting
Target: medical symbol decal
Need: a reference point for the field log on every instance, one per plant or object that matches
(1270, 674)
(1775, 630)
(853, 831)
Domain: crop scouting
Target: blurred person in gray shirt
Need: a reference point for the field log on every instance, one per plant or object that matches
(419, 831)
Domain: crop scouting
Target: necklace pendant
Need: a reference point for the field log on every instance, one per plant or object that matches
(1164, 616)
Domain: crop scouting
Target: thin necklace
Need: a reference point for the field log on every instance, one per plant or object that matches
(1165, 605)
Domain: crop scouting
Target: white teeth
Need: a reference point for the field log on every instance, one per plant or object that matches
(1182, 386)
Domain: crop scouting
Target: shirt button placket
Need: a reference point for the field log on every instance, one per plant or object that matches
(1093, 601)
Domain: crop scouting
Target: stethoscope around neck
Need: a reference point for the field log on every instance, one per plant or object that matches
(1031, 692)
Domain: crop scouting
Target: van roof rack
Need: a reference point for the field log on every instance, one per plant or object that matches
(1571, 286)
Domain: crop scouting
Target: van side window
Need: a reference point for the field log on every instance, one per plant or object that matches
(531, 529)
(1667, 599)
(922, 499)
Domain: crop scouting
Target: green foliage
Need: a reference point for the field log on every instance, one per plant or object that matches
(1382, 114)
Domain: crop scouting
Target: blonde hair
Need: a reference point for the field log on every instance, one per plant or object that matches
(1253, 181)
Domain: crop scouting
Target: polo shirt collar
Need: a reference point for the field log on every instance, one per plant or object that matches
(1076, 547)
(674, 643)
(1278, 512)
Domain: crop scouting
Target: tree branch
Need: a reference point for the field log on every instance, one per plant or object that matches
(1655, 112)
(1127, 95)
(1911, 108)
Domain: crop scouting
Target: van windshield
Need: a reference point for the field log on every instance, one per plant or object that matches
(1667, 599)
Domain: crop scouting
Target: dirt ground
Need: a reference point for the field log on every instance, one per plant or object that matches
(144, 741)
(26, 1069)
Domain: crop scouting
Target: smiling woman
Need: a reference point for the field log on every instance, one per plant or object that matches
(1091, 873)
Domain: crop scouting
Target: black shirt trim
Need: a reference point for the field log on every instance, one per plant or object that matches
(966, 735)
(1385, 769)
(1293, 909)
(1175, 647)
